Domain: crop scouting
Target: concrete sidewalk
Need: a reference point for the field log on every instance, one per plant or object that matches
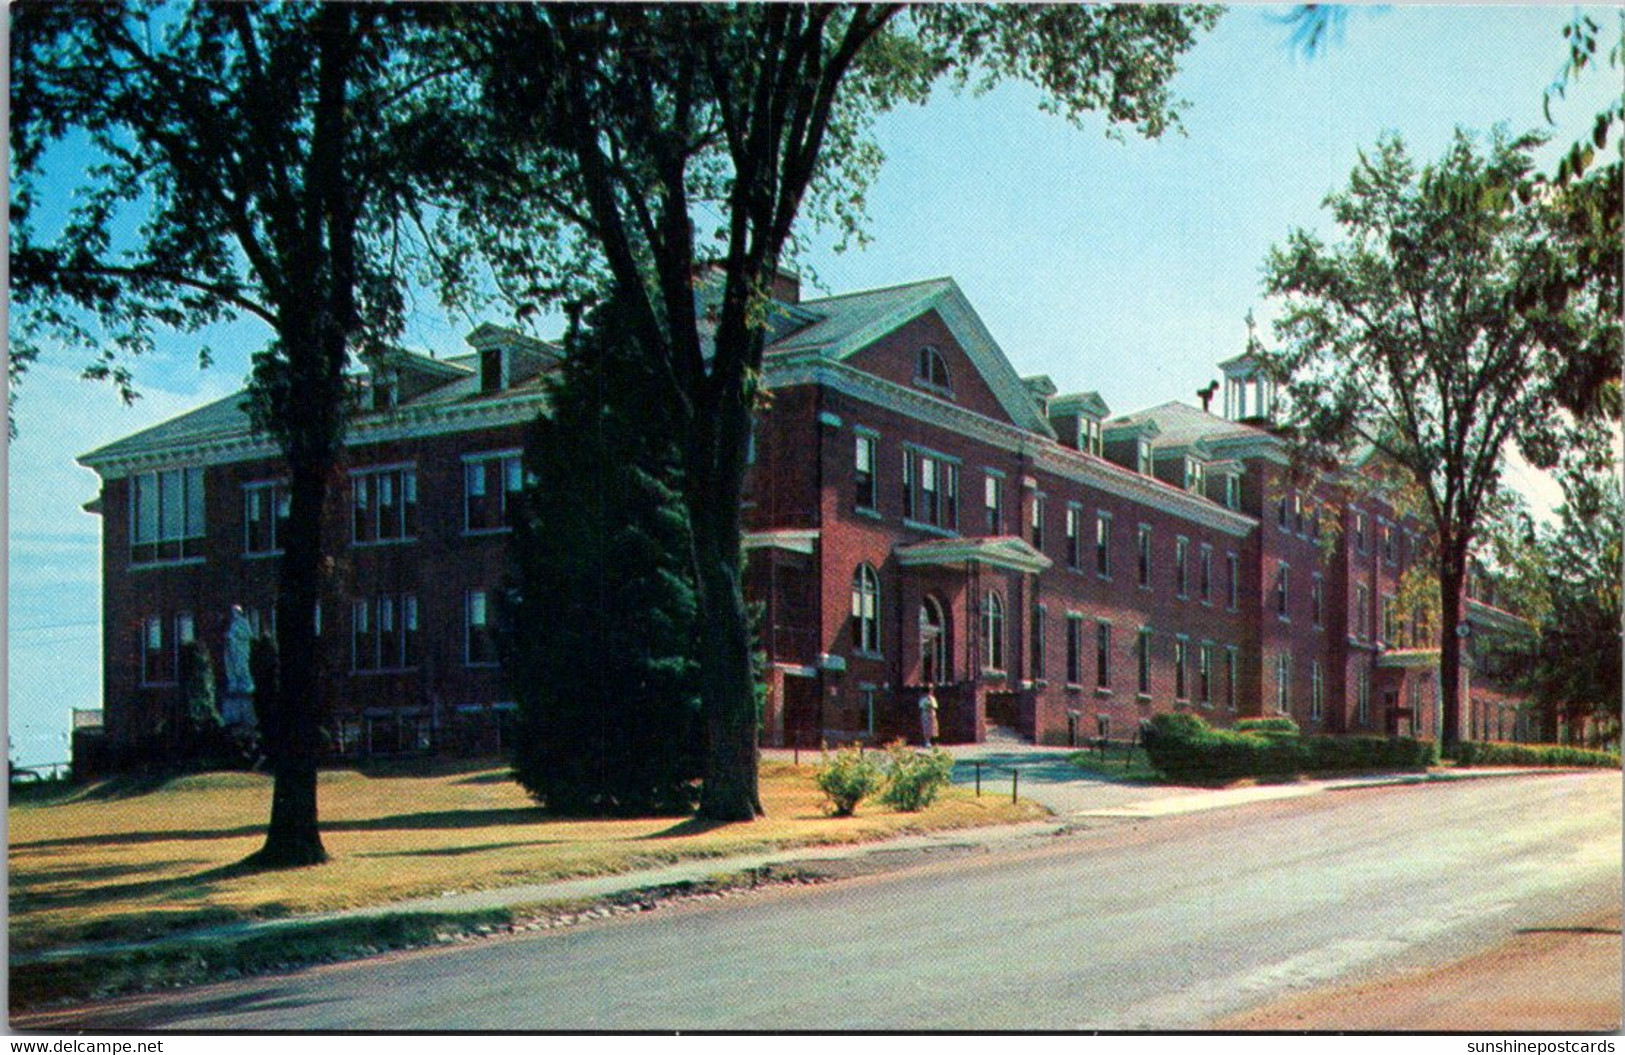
(1046, 777)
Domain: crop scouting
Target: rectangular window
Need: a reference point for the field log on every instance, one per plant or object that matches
(1205, 574)
(1180, 688)
(480, 645)
(1283, 513)
(1231, 663)
(491, 486)
(1390, 622)
(930, 490)
(1089, 435)
(1073, 516)
(1038, 523)
(383, 505)
(1074, 649)
(157, 659)
(1317, 690)
(1103, 654)
(1233, 595)
(1103, 545)
(992, 504)
(1362, 613)
(1283, 591)
(1195, 476)
(1204, 674)
(384, 632)
(166, 515)
(864, 472)
(1142, 660)
(1359, 531)
(1037, 644)
(1182, 548)
(1390, 549)
(1362, 698)
(265, 517)
(1142, 457)
(1283, 674)
(1297, 512)
(1232, 492)
(1317, 599)
(1145, 555)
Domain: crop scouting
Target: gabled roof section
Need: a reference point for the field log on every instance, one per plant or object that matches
(995, 551)
(223, 417)
(849, 323)
(1180, 425)
(1080, 403)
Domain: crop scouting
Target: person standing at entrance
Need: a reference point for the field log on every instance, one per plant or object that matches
(928, 716)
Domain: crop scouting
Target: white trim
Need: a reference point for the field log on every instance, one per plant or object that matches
(790, 540)
(826, 417)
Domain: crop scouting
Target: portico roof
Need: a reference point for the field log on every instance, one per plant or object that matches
(1409, 658)
(996, 551)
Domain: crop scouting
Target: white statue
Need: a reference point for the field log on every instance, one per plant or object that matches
(239, 642)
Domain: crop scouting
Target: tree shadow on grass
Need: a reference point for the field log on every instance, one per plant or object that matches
(429, 820)
(687, 828)
(195, 884)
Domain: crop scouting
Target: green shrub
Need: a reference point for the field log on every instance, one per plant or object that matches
(1359, 753)
(915, 777)
(1184, 748)
(1281, 726)
(848, 779)
(1495, 753)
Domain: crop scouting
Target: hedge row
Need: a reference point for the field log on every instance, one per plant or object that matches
(1184, 747)
(1495, 753)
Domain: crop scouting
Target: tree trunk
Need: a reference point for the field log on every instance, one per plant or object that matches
(1452, 574)
(293, 838)
(727, 680)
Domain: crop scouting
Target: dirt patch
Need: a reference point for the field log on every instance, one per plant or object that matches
(1559, 979)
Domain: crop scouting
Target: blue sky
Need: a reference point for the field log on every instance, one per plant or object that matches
(1123, 267)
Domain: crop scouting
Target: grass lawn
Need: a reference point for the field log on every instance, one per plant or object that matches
(1134, 769)
(119, 860)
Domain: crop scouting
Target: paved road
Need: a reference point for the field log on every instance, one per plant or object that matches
(1167, 924)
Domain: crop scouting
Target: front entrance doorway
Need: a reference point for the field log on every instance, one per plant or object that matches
(934, 650)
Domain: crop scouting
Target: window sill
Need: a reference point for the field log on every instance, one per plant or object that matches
(1142, 697)
(1073, 686)
(946, 393)
(383, 670)
(261, 554)
(1103, 576)
(1102, 692)
(505, 529)
(179, 562)
(930, 529)
(859, 653)
(868, 512)
(1040, 683)
(382, 542)
(158, 684)
(482, 665)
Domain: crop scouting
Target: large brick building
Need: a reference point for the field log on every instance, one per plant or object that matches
(917, 513)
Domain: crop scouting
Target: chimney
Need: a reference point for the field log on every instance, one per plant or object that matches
(785, 286)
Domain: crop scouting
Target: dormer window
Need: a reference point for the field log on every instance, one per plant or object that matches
(1195, 476)
(1089, 438)
(1142, 458)
(385, 390)
(932, 370)
(493, 370)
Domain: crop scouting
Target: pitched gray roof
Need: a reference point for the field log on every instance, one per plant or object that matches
(1180, 425)
(842, 317)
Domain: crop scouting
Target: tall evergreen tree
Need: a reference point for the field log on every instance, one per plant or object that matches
(599, 631)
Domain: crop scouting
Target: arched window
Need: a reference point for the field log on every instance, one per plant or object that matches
(865, 609)
(933, 370)
(933, 644)
(993, 632)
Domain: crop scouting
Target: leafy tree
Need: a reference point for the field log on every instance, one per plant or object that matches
(599, 634)
(1437, 332)
(200, 722)
(632, 127)
(245, 160)
(1570, 574)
